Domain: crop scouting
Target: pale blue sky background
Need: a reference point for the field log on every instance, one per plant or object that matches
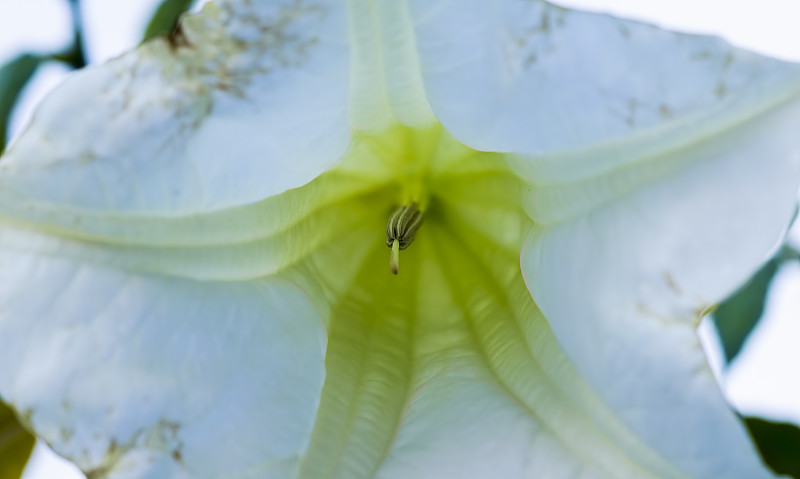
(763, 381)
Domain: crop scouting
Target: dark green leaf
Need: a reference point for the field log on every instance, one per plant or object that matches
(778, 443)
(14, 75)
(788, 253)
(16, 445)
(738, 315)
(165, 20)
(75, 55)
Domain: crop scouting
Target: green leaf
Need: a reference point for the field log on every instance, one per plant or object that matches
(788, 253)
(16, 444)
(165, 20)
(778, 443)
(14, 75)
(738, 315)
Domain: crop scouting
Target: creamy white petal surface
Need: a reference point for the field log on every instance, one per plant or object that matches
(463, 411)
(175, 257)
(664, 168)
(582, 93)
(234, 72)
(624, 285)
(156, 376)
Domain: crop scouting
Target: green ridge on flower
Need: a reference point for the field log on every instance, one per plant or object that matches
(193, 240)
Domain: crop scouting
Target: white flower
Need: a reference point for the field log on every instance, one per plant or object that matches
(195, 274)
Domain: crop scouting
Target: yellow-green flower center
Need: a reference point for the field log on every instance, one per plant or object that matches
(460, 300)
(459, 308)
(468, 197)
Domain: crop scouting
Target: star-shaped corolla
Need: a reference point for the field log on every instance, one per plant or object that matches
(196, 284)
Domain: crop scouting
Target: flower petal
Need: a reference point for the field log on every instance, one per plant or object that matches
(151, 377)
(597, 109)
(150, 133)
(625, 282)
(582, 93)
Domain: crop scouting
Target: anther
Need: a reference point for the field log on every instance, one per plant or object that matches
(400, 231)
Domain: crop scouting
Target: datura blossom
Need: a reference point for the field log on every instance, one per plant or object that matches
(196, 281)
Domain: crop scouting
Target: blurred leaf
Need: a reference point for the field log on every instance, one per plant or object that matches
(778, 443)
(738, 315)
(166, 18)
(14, 75)
(788, 253)
(75, 55)
(16, 445)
